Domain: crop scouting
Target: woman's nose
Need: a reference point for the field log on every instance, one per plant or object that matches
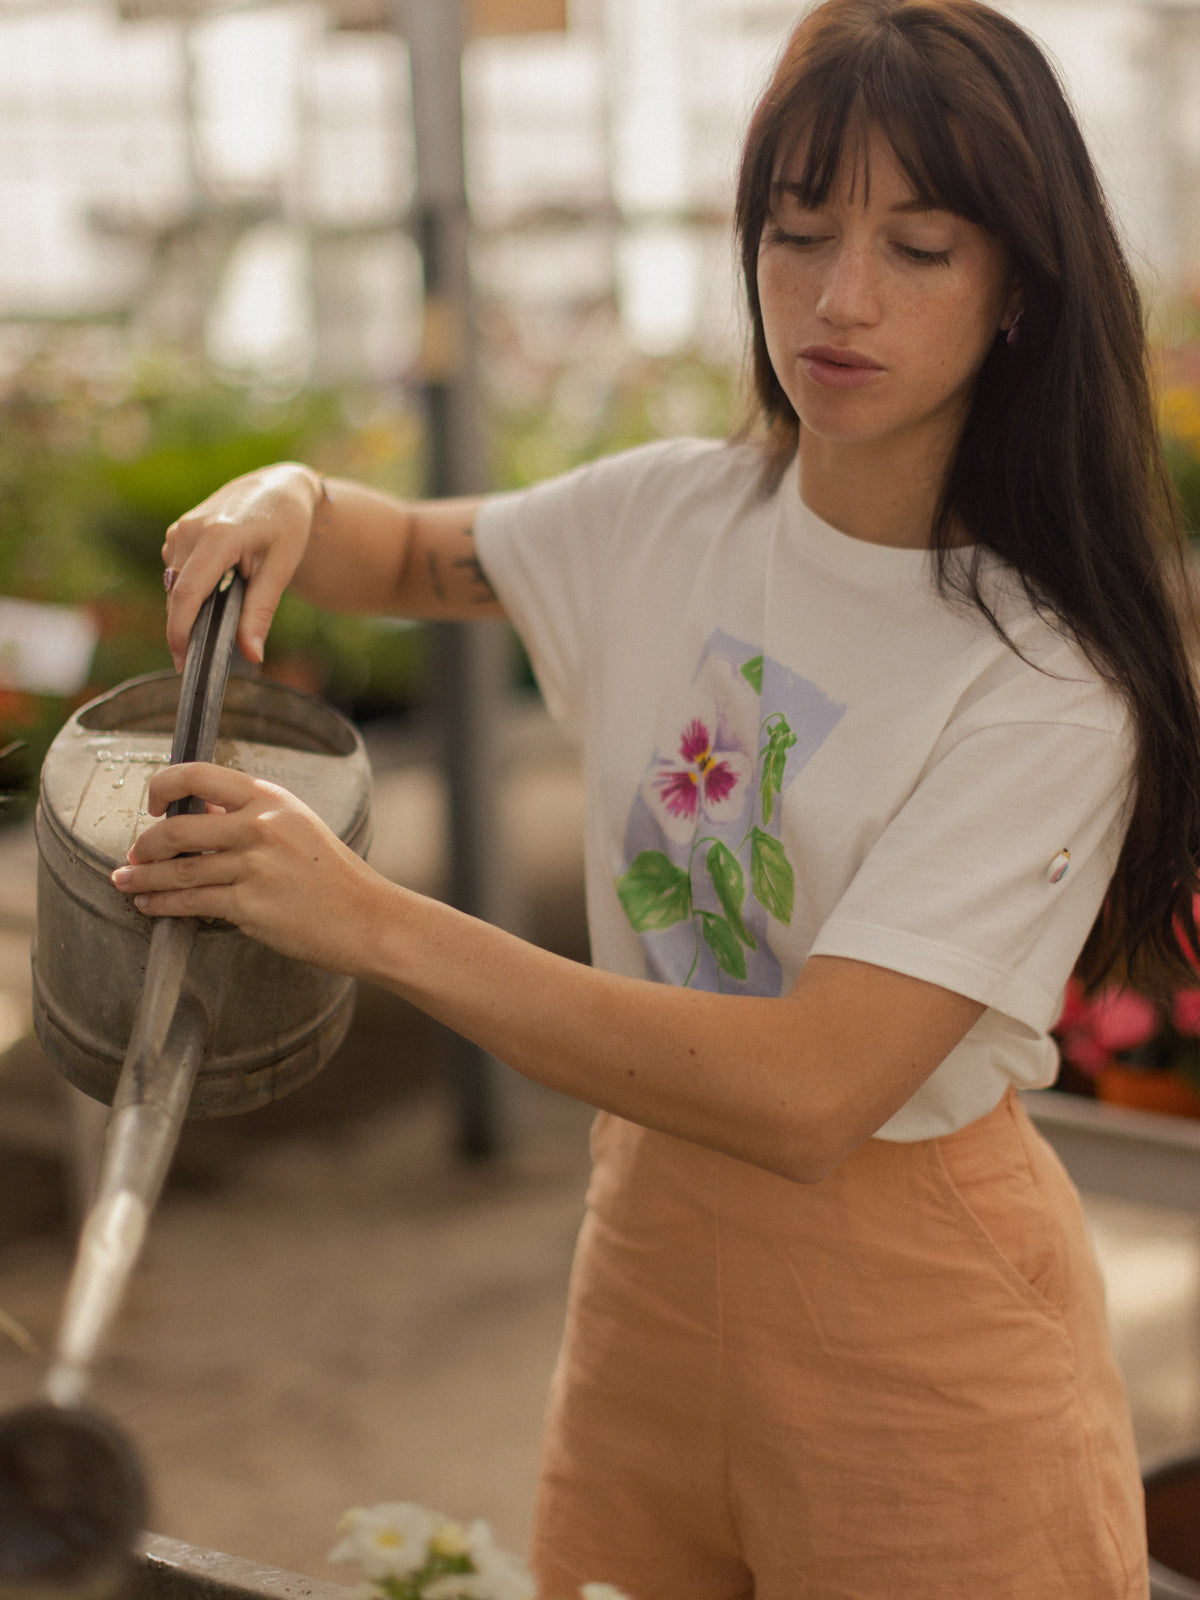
(849, 295)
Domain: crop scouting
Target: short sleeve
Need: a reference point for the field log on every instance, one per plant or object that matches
(965, 886)
(528, 544)
(546, 551)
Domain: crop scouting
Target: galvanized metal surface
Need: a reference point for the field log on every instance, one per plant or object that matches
(272, 1022)
(153, 1092)
(169, 1570)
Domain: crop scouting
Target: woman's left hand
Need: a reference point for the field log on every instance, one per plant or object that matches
(260, 859)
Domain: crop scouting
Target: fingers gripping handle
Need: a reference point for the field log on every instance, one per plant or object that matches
(201, 696)
(205, 674)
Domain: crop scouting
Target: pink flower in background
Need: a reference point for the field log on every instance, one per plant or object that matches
(1122, 1020)
(1122, 1029)
(1185, 1012)
(1179, 934)
(1091, 1032)
(1076, 1008)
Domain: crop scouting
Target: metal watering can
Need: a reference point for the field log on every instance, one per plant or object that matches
(163, 1019)
(266, 1023)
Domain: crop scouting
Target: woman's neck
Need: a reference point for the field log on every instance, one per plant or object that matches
(870, 492)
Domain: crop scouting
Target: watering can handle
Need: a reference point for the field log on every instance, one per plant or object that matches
(205, 674)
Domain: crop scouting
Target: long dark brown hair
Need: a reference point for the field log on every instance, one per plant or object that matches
(1058, 469)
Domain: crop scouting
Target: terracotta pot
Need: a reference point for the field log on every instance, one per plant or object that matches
(1169, 1092)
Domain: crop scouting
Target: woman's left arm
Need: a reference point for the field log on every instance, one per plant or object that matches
(792, 1085)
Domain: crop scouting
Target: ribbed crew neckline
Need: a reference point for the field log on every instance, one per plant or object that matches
(859, 560)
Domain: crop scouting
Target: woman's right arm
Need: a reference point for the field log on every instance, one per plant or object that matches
(341, 545)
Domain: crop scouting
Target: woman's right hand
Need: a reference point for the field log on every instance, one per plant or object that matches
(259, 523)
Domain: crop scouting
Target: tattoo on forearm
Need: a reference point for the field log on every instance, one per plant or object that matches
(434, 568)
(484, 593)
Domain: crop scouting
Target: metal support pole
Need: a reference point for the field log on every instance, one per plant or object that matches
(471, 658)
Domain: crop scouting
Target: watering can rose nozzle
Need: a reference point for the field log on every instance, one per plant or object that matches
(73, 1503)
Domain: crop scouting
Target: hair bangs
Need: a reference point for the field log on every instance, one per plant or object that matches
(847, 98)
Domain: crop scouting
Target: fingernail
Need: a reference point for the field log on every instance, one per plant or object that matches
(258, 647)
(122, 876)
(141, 901)
(178, 660)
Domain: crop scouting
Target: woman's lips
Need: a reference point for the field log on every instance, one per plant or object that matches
(838, 369)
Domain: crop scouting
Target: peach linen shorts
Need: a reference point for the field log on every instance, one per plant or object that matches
(895, 1384)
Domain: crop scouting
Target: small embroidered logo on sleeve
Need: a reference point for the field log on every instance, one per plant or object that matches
(1058, 867)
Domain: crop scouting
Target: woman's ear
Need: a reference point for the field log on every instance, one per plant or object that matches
(1014, 309)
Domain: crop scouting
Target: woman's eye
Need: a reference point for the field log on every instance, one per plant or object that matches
(925, 258)
(780, 235)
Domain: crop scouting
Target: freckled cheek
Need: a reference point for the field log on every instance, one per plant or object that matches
(782, 290)
(953, 333)
(774, 308)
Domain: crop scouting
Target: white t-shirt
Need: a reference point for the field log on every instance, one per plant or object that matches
(793, 745)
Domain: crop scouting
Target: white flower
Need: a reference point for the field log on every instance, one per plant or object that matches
(497, 1575)
(601, 1591)
(480, 1544)
(450, 1538)
(387, 1541)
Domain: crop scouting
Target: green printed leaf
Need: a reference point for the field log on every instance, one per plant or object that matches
(722, 941)
(774, 761)
(771, 874)
(730, 883)
(753, 673)
(655, 892)
(770, 781)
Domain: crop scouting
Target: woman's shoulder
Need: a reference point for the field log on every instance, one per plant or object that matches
(1033, 668)
(650, 489)
(677, 467)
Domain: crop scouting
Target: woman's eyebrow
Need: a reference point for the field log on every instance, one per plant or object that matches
(918, 203)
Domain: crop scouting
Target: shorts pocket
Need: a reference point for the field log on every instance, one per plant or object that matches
(993, 1194)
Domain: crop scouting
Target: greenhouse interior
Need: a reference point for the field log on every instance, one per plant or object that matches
(437, 248)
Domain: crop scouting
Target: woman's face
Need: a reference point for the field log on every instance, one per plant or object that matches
(879, 313)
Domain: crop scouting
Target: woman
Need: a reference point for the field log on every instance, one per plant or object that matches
(886, 717)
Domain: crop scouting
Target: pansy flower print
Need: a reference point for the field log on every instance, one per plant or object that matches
(706, 872)
(707, 775)
(704, 777)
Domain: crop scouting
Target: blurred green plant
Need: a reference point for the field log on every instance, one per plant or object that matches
(560, 396)
(1176, 363)
(101, 448)
(1179, 416)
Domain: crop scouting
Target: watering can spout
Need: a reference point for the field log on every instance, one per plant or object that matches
(149, 1107)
